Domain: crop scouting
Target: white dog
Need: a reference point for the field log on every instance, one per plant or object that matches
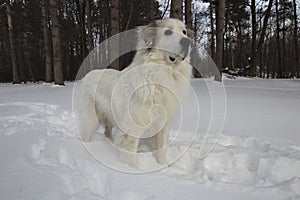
(141, 101)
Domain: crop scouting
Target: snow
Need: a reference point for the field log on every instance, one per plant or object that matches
(257, 156)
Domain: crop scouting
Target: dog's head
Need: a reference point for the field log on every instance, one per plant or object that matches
(170, 36)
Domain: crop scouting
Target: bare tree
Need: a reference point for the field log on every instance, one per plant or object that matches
(58, 73)
(284, 39)
(115, 29)
(212, 34)
(278, 41)
(253, 42)
(131, 11)
(166, 6)
(188, 13)
(297, 67)
(81, 7)
(264, 26)
(89, 23)
(176, 9)
(152, 10)
(256, 47)
(13, 56)
(47, 49)
(220, 14)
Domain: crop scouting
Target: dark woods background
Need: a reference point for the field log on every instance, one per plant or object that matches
(51, 38)
(47, 40)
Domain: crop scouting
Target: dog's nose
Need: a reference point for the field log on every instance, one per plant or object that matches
(185, 42)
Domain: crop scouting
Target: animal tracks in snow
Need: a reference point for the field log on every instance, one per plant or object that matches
(37, 116)
(242, 161)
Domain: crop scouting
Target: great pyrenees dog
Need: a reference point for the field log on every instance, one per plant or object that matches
(141, 101)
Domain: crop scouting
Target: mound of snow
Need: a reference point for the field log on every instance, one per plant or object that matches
(259, 157)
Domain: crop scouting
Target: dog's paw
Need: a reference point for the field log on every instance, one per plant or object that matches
(96, 137)
(163, 162)
(160, 157)
(85, 139)
(128, 158)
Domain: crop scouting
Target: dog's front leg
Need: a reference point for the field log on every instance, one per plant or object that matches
(161, 143)
(128, 149)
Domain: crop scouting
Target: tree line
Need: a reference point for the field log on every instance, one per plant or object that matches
(47, 40)
(260, 38)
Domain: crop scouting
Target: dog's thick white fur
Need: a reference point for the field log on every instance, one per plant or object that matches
(141, 101)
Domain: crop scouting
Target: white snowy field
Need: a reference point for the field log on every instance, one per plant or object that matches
(257, 156)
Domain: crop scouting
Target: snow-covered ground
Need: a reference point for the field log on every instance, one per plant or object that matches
(257, 156)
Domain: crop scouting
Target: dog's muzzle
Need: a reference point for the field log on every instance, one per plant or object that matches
(185, 46)
(185, 43)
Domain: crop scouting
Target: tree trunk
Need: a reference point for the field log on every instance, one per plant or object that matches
(283, 42)
(188, 14)
(115, 29)
(253, 42)
(81, 9)
(212, 45)
(296, 68)
(132, 4)
(89, 23)
(13, 56)
(58, 73)
(48, 66)
(265, 25)
(176, 9)
(152, 10)
(82, 27)
(256, 48)
(278, 41)
(220, 14)
(232, 66)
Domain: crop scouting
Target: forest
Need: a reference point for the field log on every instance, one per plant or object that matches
(47, 40)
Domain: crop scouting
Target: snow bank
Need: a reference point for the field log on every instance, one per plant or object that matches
(42, 157)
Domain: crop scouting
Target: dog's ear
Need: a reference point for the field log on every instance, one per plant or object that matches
(191, 34)
(148, 34)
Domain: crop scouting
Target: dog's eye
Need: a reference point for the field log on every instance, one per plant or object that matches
(184, 32)
(168, 32)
